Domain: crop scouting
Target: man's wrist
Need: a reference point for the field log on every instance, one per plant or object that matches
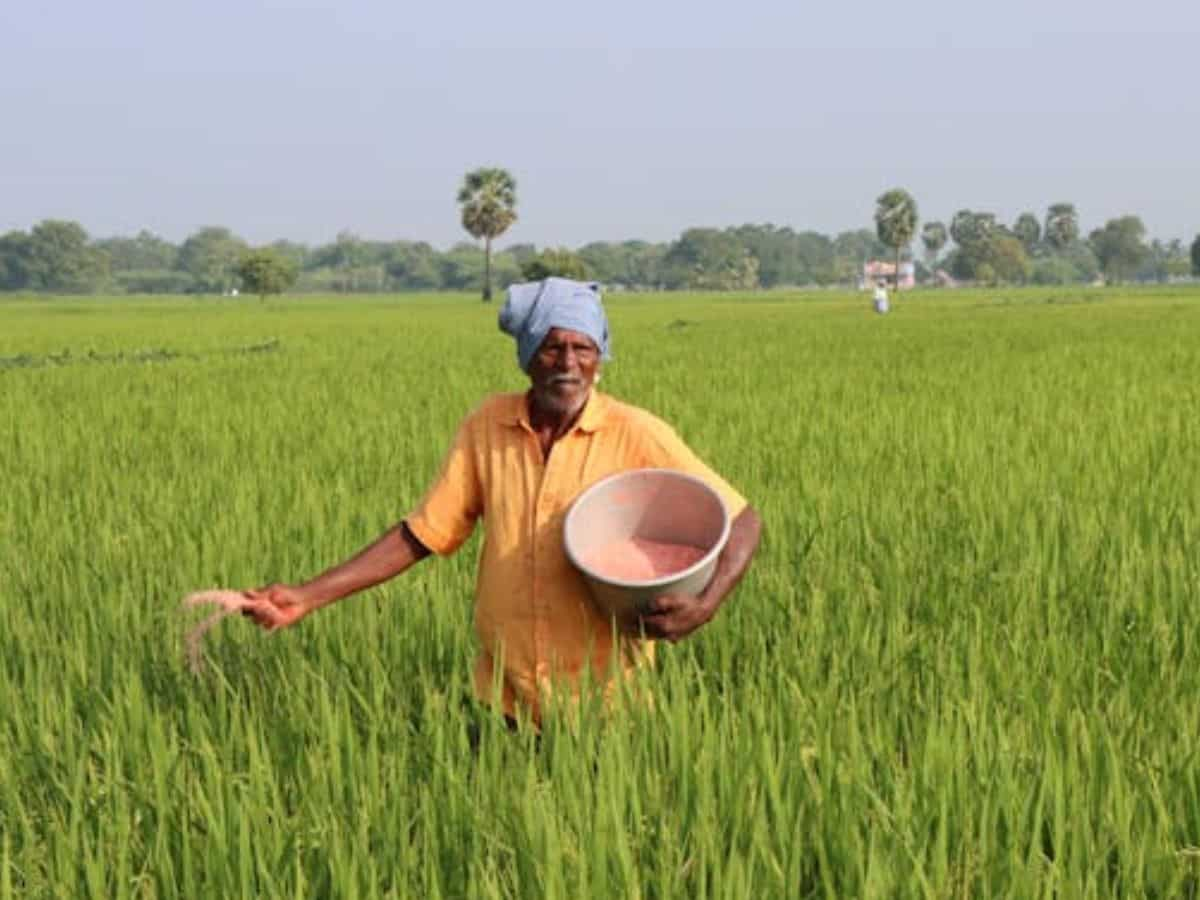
(309, 596)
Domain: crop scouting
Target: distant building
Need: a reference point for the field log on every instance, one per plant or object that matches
(877, 270)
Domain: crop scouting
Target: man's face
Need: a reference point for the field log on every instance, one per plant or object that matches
(563, 370)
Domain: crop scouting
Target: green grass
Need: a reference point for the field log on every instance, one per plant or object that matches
(964, 663)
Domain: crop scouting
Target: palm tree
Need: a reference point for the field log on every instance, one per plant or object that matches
(1062, 225)
(488, 198)
(1028, 231)
(896, 222)
(934, 236)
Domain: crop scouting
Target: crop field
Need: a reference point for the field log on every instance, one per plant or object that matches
(965, 662)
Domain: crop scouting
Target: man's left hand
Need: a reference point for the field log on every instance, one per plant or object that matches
(673, 617)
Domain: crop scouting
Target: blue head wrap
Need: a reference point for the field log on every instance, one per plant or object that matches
(532, 309)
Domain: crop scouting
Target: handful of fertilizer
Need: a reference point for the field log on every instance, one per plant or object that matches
(227, 603)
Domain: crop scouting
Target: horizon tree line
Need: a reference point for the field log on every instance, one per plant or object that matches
(58, 256)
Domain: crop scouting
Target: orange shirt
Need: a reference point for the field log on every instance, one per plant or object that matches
(533, 613)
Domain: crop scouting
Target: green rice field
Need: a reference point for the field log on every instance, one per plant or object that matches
(964, 663)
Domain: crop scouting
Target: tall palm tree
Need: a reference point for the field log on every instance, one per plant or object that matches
(1062, 225)
(934, 236)
(1028, 230)
(896, 222)
(489, 199)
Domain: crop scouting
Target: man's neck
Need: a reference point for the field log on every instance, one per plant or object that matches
(552, 424)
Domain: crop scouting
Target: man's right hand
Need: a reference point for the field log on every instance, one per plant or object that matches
(276, 606)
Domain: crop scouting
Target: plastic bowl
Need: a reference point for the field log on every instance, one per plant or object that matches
(652, 504)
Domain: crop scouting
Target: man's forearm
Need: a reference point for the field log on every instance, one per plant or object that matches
(744, 535)
(394, 552)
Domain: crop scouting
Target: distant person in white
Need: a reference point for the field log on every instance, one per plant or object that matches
(881, 298)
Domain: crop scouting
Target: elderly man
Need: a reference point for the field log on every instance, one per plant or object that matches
(517, 463)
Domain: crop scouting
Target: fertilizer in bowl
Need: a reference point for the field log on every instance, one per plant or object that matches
(640, 534)
(641, 559)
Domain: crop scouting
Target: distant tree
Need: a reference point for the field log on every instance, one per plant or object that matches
(350, 264)
(1053, 270)
(625, 264)
(1028, 231)
(348, 251)
(1007, 259)
(488, 198)
(460, 267)
(972, 229)
(741, 274)
(522, 253)
(1178, 263)
(1163, 261)
(645, 263)
(554, 261)
(934, 236)
(1077, 263)
(211, 257)
(60, 258)
(297, 253)
(711, 260)
(1083, 260)
(607, 262)
(776, 251)
(896, 222)
(1062, 225)
(266, 271)
(812, 257)
(787, 257)
(505, 270)
(1119, 246)
(1195, 253)
(973, 233)
(859, 245)
(14, 261)
(961, 226)
(146, 252)
(144, 264)
(414, 266)
(345, 253)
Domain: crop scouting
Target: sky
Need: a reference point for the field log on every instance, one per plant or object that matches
(619, 119)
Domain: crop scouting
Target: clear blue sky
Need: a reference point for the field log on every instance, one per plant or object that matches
(619, 119)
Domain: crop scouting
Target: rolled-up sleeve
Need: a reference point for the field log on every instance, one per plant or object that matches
(446, 515)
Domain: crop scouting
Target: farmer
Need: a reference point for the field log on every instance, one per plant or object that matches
(517, 463)
(881, 298)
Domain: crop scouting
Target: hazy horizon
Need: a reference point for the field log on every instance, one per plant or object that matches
(626, 122)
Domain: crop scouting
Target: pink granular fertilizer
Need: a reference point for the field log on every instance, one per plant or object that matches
(638, 559)
(227, 602)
